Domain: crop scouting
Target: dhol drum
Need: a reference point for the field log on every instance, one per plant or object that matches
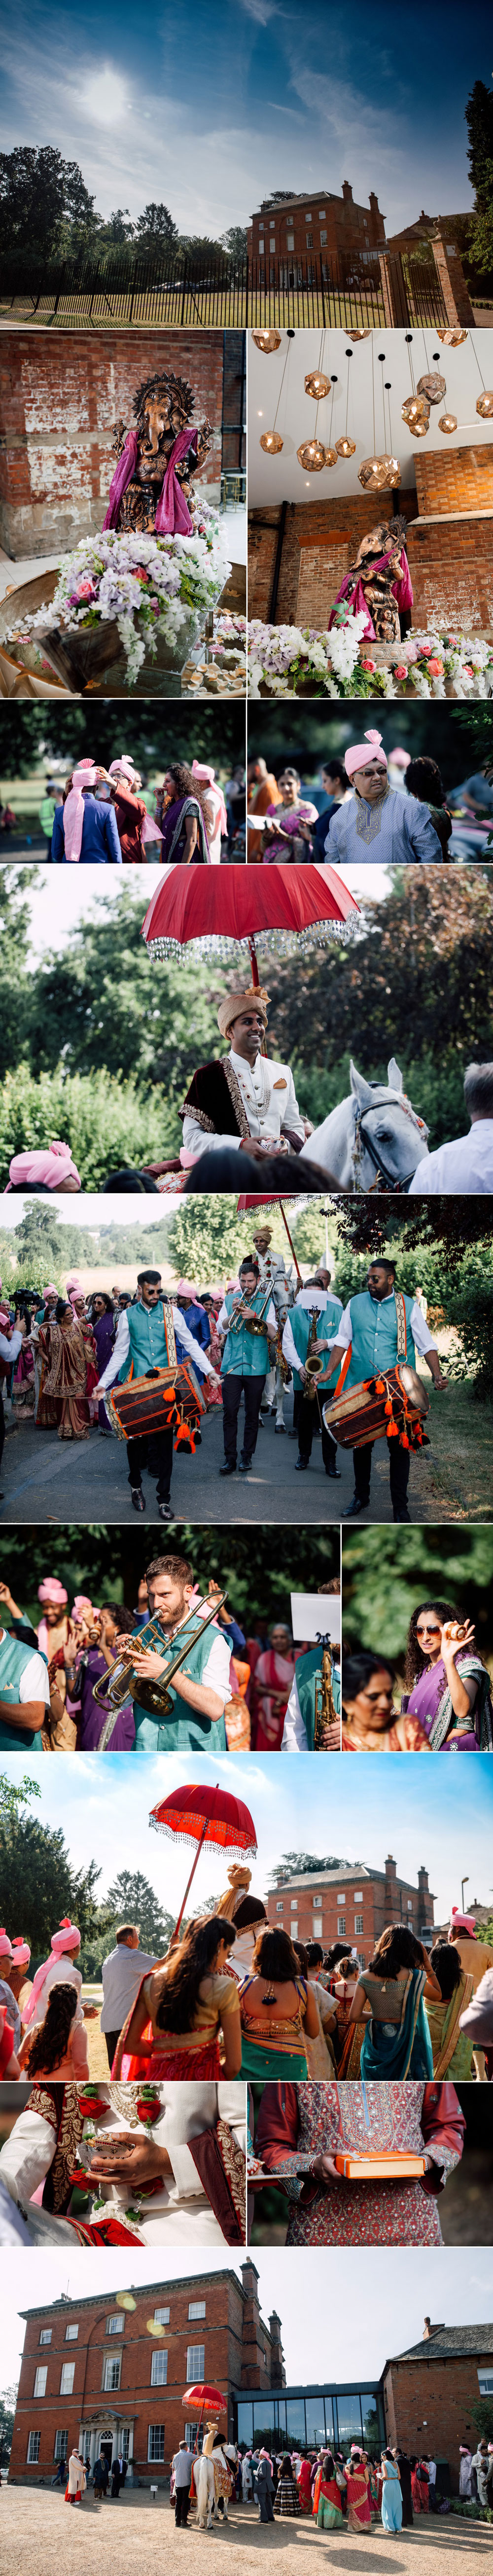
(389, 1407)
(164, 1400)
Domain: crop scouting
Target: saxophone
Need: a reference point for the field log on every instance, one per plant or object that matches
(325, 1713)
(312, 1365)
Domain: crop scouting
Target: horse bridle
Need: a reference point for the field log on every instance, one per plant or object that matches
(361, 1141)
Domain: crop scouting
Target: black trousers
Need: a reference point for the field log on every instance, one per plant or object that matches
(156, 1453)
(111, 2038)
(399, 1463)
(2, 1429)
(181, 2506)
(309, 1421)
(253, 1390)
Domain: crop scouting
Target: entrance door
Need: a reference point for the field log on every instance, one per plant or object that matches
(107, 2450)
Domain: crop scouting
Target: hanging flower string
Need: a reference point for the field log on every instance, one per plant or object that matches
(309, 663)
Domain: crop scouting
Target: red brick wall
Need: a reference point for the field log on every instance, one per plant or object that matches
(451, 567)
(428, 2405)
(320, 542)
(347, 226)
(451, 560)
(380, 1904)
(233, 2335)
(453, 478)
(60, 393)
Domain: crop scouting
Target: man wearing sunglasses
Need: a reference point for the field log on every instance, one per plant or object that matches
(369, 1328)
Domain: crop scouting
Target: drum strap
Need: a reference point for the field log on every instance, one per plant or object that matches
(169, 1335)
(401, 1342)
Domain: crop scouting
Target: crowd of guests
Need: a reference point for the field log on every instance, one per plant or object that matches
(111, 816)
(411, 2012)
(290, 816)
(358, 2489)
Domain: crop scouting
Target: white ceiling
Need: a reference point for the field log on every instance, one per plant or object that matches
(281, 478)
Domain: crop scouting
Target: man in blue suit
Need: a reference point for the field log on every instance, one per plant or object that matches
(85, 827)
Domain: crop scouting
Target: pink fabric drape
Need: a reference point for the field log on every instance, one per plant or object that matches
(402, 591)
(172, 513)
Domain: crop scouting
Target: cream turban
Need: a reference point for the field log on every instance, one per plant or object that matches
(233, 1003)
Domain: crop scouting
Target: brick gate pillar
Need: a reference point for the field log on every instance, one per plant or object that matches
(455, 293)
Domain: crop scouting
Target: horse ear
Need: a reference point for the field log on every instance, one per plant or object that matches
(394, 1075)
(361, 1089)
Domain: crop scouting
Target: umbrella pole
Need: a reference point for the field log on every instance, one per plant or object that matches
(291, 1244)
(256, 984)
(193, 1869)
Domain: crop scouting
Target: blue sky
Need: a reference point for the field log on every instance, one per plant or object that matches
(343, 2314)
(211, 108)
(444, 1820)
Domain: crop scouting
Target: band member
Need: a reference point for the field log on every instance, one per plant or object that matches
(301, 1345)
(24, 1695)
(302, 1731)
(249, 1320)
(274, 1274)
(244, 1099)
(144, 1341)
(369, 1329)
(203, 1685)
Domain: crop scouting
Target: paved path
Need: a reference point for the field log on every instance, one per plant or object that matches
(41, 2530)
(46, 1479)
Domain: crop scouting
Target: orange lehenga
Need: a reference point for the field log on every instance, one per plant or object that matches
(62, 1395)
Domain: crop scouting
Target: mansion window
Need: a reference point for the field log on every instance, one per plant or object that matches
(341, 1927)
(155, 2442)
(196, 2309)
(323, 238)
(45, 2336)
(61, 2440)
(161, 2316)
(67, 2378)
(112, 2370)
(358, 1922)
(40, 2378)
(309, 241)
(195, 2362)
(33, 2448)
(71, 2334)
(159, 2369)
(290, 241)
(114, 2325)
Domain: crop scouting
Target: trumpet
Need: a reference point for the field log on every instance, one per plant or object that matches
(125, 1682)
(236, 1316)
(325, 1713)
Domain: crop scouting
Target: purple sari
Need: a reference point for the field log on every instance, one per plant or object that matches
(430, 1701)
(172, 826)
(172, 512)
(402, 591)
(91, 1717)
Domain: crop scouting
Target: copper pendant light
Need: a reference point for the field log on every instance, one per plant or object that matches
(447, 423)
(358, 335)
(267, 342)
(484, 405)
(311, 456)
(414, 409)
(432, 387)
(452, 338)
(379, 473)
(346, 446)
(271, 440)
(317, 386)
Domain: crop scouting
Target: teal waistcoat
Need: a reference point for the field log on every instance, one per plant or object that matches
(245, 1354)
(327, 1322)
(307, 1669)
(374, 1342)
(185, 1725)
(13, 1660)
(148, 1341)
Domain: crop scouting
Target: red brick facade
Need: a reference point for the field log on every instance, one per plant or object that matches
(301, 229)
(353, 1904)
(238, 2349)
(428, 2400)
(60, 393)
(450, 545)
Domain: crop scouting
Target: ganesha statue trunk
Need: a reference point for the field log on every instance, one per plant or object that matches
(162, 452)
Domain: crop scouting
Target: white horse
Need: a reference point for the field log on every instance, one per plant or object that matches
(213, 2478)
(374, 1139)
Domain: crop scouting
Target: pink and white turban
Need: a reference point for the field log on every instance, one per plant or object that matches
(20, 1952)
(360, 753)
(5, 1945)
(45, 1166)
(461, 1922)
(74, 1289)
(66, 1939)
(84, 775)
(124, 768)
(208, 779)
(50, 1291)
(81, 1604)
(51, 1590)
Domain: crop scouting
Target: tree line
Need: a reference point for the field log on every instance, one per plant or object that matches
(48, 212)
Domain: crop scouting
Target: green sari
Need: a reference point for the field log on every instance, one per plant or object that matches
(279, 2055)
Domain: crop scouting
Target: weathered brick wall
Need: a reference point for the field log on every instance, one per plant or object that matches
(453, 478)
(450, 559)
(428, 2405)
(451, 567)
(382, 1900)
(320, 542)
(233, 2335)
(60, 393)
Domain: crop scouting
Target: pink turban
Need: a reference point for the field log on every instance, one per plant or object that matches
(81, 1603)
(51, 1590)
(360, 753)
(5, 1945)
(68, 1938)
(50, 1291)
(127, 768)
(20, 1952)
(84, 775)
(49, 1165)
(208, 776)
(74, 1288)
(461, 1922)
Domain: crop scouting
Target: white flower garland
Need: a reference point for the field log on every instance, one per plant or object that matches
(280, 658)
(147, 586)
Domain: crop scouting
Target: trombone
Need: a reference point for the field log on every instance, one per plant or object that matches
(236, 1317)
(124, 1682)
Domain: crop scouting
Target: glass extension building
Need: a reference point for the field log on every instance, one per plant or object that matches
(305, 2418)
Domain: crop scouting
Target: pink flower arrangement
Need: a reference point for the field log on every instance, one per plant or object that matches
(85, 590)
(368, 666)
(435, 667)
(400, 670)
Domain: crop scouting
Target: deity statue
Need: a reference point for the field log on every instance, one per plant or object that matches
(380, 581)
(152, 487)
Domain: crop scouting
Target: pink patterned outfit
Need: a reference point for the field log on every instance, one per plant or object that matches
(299, 2122)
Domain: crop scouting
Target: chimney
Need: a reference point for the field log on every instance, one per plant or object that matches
(428, 2329)
(277, 2373)
(346, 190)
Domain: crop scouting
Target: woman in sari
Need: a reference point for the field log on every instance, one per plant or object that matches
(358, 2494)
(287, 2502)
(420, 2486)
(404, 2467)
(57, 2047)
(180, 813)
(63, 1380)
(452, 2050)
(319, 2055)
(330, 2487)
(391, 2493)
(396, 2042)
(302, 2129)
(103, 1328)
(305, 2486)
(278, 2011)
(273, 1678)
(376, 2483)
(347, 2037)
(447, 1686)
(290, 824)
(370, 1723)
(181, 2008)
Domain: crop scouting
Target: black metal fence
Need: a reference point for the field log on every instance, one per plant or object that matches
(346, 292)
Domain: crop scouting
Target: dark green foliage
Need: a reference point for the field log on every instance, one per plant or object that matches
(305, 735)
(258, 1567)
(38, 1886)
(155, 732)
(383, 1582)
(43, 200)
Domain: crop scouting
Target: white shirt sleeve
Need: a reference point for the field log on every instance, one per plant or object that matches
(9, 1350)
(27, 2155)
(217, 1669)
(295, 1739)
(223, 1320)
(197, 1141)
(420, 1331)
(119, 1353)
(194, 1348)
(289, 1346)
(344, 1331)
(34, 1682)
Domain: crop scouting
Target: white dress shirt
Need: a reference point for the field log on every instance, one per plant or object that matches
(318, 1301)
(269, 1319)
(178, 2214)
(33, 1683)
(466, 1164)
(422, 1338)
(294, 1739)
(121, 1973)
(269, 1097)
(9, 1350)
(121, 1348)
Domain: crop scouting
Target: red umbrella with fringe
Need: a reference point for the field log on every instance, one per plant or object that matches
(203, 2395)
(201, 1815)
(265, 911)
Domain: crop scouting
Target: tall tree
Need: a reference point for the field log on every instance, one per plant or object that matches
(133, 1900)
(37, 1884)
(41, 195)
(479, 121)
(155, 229)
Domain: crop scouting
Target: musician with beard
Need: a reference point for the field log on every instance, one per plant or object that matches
(145, 1340)
(248, 1318)
(202, 1688)
(370, 1331)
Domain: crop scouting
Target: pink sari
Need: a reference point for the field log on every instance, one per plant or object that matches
(275, 1674)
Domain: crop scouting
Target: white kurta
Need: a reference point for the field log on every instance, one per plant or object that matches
(295, 1739)
(269, 1097)
(179, 2214)
(121, 1348)
(463, 1166)
(61, 1972)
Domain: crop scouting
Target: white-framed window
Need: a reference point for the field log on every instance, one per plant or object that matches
(159, 2370)
(125, 2441)
(33, 2449)
(308, 215)
(261, 245)
(290, 241)
(61, 2439)
(196, 2309)
(357, 1896)
(272, 227)
(341, 1896)
(195, 2362)
(309, 241)
(40, 2378)
(485, 2378)
(341, 1927)
(155, 2442)
(45, 2336)
(190, 2432)
(280, 1907)
(323, 238)
(294, 1904)
(114, 2325)
(161, 2316)
(358, 1922)
(294, 1929)
(67, 2378)
(112, 2370)
(71, 2334)
(321, 214)
(409, 1904)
